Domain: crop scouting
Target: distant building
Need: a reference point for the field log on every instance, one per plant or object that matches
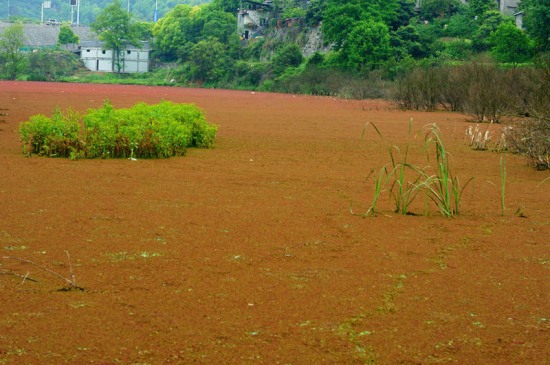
(519, 19)
(39, 36)
(96, 57)
(508, 7)
(253, 18)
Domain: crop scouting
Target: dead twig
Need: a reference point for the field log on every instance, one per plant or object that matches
(70, 281)
(24, 277)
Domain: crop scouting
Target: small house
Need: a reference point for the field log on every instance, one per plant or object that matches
(252, 18)
(96, 57)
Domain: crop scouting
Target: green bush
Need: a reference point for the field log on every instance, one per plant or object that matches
(143, 131)
(53, 137)
(51, 65)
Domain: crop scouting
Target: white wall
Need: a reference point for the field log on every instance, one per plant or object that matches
(97, 59)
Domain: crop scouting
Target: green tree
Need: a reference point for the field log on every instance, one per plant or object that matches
(407, 41)
(229, 6)
(12, 59)
(144, 30)
(216, 24)
(315, 10)
(67, 36)
(208, 61)
(341, 16)
(50, 65)
(536, 20)
(480, 7)
(404, 13)
(462, 26)
(339, 20)
(288, 56)
(511, 44)
(185, 26)
(114, 27)
(367, 46)
(431, 9)
(177, 32)
(489, 23)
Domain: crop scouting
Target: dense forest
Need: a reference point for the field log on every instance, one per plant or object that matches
(31, 10)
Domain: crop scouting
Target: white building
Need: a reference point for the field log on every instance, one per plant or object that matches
(96, 57)
(252, 18)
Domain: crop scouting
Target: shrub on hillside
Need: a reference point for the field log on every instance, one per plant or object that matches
(143, 131)
(51, 65)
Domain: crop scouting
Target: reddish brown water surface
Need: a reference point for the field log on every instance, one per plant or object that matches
(247, 253)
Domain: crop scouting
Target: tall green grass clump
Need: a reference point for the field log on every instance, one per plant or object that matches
(142, 131)
(52, 137)
(403, 190)
(443, 188)
(405, 181)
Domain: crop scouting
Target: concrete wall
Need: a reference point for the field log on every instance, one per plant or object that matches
(97, 59)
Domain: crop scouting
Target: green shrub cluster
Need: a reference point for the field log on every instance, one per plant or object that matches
(142, 131)
(55, 136)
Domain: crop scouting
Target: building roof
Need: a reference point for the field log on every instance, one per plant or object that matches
(99, 44)
(37, 35)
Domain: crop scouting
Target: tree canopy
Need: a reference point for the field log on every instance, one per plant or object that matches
(114, 27)
(510, 44)
(67, 36)
(12, 59)
(536, 20)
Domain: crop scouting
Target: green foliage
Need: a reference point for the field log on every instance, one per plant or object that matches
(489, 23)
(288, 56)
(339, 21)
(367, 46)
(229, 6)
(249, 74)
(52, 137)
(442, 187)
(114, 27)
(511, 44)
(480, 7)
(462, 26)
(407, 41)
(143, 131)
(536, 20)
(175, 32)
(51, 65)
(404, 14)
(12, 59)
(315, 10)
(143, 30)
(67, 36)
(458, 49)
(184, 27)
(432, 9)
(208, 61)
(341, 17)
